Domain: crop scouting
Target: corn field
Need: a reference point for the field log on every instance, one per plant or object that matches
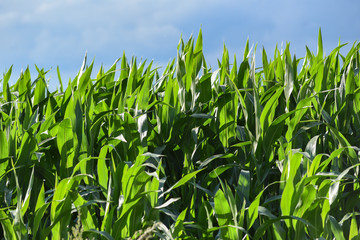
(234, 152)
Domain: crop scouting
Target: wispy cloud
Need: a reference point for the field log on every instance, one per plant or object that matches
(51, 33)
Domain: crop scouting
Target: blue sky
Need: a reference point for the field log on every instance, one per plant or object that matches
(58, 33)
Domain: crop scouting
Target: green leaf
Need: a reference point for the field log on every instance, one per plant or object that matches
(354, 232)
(311, 147)
(24, 83)
(39, 214)
(66, 147)
(223, 214)
(275, 130)
(336, 228)
(320, 51)
(6, 88)
(28, 146)
(288, 198)
(83, 80)
(333, 192)
(104, 234)
(182, 181)
(59, 78)
(268, 112)
(4, 152)
(198, 54)
(257, 105)
(26, 200)
(344, 143)
(39, 92)
(167, 203)
(278, 230)
(253, 208)
(241, 144)
(262, 229)
(179, 224)
(212, 158)
(8, 228)
(289, 79)
(226, 116)
(244, 183)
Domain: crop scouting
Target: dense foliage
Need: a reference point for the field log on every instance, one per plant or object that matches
(233, 152)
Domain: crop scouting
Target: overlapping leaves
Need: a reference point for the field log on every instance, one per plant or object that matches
(230, 152)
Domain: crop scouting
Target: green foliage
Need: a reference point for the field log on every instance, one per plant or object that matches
(237, 152)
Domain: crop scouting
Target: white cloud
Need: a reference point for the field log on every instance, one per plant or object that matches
(59, 32)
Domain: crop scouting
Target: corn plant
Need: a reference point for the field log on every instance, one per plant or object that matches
(231, 151)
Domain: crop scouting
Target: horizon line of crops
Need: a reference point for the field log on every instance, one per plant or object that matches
(237, 152)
